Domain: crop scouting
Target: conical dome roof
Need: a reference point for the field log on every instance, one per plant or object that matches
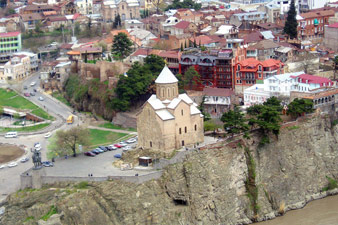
(166, 77)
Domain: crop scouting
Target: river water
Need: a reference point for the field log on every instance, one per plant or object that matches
(318, 212)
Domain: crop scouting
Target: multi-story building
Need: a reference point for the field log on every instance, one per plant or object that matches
(252, 18)
(215, 69)
(331, 36)
(33, 59)
(16, 69)
(127, 9)
(311, 25)
(251, 71)
(10, 42)
(287, 86)
(284, 5)
(84, 6)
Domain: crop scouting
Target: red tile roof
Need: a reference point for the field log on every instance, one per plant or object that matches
(10, 34)
(170, 54)
(224, 92)
(182, 25)
(140, 51)
(203, 40)
(250, 62)
(271, 62)
(313, 79)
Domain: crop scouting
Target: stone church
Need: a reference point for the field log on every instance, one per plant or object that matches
(169, 120)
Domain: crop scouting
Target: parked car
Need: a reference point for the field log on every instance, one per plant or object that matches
(100, 150)
(103, 148)
(118, 156)
(123, 143)
(41, 98)
(47, 164)
(2, 167)
(132, 140)
(112, 147)
(26, 94)
(32, 93)
(90, 154)
(13, 164)
(23, 160)
(37, 145)
(34, 90)
(48, 135)
(11, 134)
(25, 87)
(117, 146)
(95, 152)
(33, 83)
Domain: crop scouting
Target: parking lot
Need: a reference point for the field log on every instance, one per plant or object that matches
(100, 166)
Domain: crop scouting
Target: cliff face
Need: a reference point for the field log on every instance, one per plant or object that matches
(209, 187)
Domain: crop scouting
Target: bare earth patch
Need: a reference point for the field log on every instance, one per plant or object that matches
(10, 152)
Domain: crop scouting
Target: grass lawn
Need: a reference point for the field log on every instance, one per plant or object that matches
(12, 99)
(103, 137)
(112, 126)
(25, 129)
(59, 97)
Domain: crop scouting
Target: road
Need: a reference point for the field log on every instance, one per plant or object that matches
(10, 177)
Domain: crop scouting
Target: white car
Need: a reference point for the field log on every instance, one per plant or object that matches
(132, 140)
(33, 83)
(41, 98)
(126, 148)
(13, 164)
(123, 144)
(3, 166)
(112, 147)
(48, 135)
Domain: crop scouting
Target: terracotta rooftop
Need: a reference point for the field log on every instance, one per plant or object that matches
(271, 62)
(223, 92)
(10, 34)
(311, 79)
(317, 14)
(182, 25)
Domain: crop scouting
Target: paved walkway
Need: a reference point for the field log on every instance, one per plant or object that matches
(113, 130)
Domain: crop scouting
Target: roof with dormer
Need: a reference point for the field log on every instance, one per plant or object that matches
(166, 77)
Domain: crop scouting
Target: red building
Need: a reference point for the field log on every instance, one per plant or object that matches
(311, 24)
(215, 68)
(251, 71)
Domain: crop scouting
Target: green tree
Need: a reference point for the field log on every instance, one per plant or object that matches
(274, 102)
(235, 122)
(191, 77)
(77, 28)
(180, 83)
(182, 47)
(117, 21)
(67, 141)
(38, 27)
(154, 63)
(299, 106)
(206, 115)
(1, 110)
(121, 46)
(186, 4)
(291, 23)
(267, 119)
(210, 125)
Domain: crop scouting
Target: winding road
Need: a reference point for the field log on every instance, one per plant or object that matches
(9, 177)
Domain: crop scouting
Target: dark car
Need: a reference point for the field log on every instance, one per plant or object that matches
(26, 94)
(34, 90)
(25, 87)
(32, 94)
(100, 150)
(95, 151)
(47, 164)
(90, 154)
(103, 148)
(118, 156)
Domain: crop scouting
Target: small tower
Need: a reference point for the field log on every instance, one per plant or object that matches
(166, 85)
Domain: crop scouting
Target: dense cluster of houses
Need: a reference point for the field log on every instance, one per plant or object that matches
(238, 48)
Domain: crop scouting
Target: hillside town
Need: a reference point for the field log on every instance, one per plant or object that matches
(125, 90)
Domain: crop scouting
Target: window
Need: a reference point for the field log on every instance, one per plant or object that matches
(195, 127)
(182, 112)
(180, 131)
(151, 144)
(185, 129)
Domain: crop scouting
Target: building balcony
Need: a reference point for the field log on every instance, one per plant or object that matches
(248, 78)
(205, 64)
(187, 63)
(173, 65)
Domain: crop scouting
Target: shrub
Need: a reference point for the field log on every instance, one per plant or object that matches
(82, 185)
(331, 185)
(52, 211)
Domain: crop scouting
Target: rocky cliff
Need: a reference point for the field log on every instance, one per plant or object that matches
(228, 183)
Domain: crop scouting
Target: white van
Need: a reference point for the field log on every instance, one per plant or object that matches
(12, 134)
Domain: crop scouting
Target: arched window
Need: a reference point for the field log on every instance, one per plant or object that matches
(174, 92)
(185, 129)
(122, 7)
(180, 131)
(182, 112)
(162, 92)
(195, 127)
(238, 67)
(168, 93)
